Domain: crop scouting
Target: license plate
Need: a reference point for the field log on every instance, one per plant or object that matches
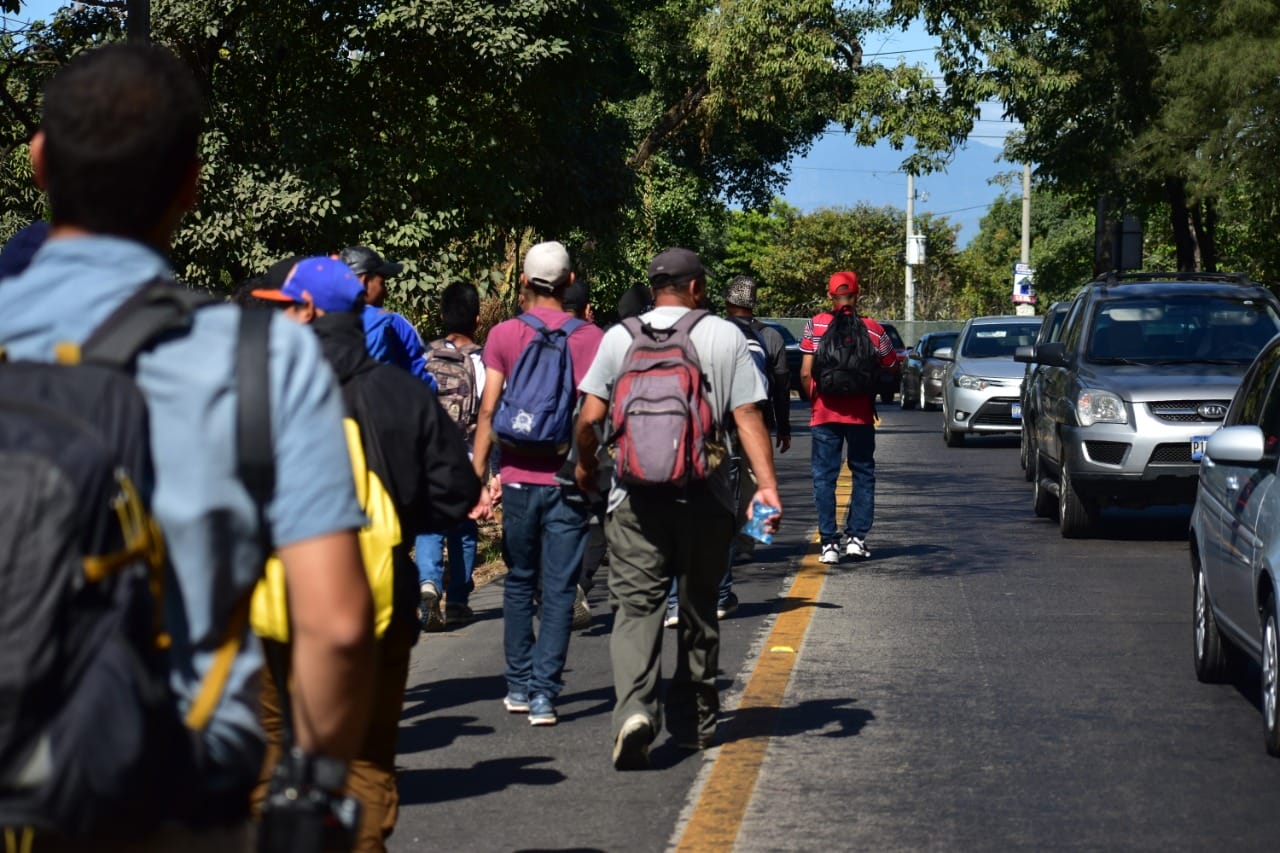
(1198, 443)
(1015, 411)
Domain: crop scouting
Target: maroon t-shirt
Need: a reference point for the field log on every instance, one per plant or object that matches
(502, 350)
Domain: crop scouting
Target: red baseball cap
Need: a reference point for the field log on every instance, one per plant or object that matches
(843, 284)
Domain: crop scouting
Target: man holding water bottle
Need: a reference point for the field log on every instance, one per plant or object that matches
(660, 532)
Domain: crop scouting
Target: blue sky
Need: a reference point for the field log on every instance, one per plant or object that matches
(837, 173)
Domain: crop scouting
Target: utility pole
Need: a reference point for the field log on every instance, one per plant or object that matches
(909, 311)
(1024, 296)
(1026, 213)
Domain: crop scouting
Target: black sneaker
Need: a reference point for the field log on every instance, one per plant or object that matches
(457, 615)
(727, 605)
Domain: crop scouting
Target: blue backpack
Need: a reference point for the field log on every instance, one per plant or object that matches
(535, 415)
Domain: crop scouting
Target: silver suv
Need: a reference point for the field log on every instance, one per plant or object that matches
(1142, 373)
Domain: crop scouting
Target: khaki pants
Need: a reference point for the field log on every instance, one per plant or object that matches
(651, 541)
(371, 778)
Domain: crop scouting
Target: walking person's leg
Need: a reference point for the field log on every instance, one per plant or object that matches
(463, 541)
(825, 458)
(639, 582)
(862, 503)
(428, 553)
(563, 536)
(521, 540)
(693, 700)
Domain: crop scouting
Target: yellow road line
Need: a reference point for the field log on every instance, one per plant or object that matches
(721, 804)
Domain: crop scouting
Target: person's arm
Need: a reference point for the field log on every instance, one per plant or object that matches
(753, 438)
(592, 413)
(493, 381)
(806, 374)
(331, 616)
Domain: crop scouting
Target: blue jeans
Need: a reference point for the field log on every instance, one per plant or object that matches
(543, 536)
(826, 441)
(428, 551)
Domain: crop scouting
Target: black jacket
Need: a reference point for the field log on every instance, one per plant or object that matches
(409, 442)
(424, 458)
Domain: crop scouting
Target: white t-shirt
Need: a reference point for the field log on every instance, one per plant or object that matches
(726, 363)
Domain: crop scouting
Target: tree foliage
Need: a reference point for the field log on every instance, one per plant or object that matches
(452, 133)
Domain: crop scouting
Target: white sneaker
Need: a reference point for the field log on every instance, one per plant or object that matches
(830, 553)
(856, 547)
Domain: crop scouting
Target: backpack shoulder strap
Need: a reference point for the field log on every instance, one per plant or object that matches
(572, 325)
(255, 464)
(529, 320)
(159, 307)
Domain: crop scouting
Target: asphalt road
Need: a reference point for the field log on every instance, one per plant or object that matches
(979, 684)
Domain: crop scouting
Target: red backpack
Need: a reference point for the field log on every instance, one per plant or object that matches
(660, 419)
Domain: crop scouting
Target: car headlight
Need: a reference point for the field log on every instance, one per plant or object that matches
(970, 383)
(1100, 407)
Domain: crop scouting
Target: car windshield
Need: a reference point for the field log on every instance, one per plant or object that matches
(1181, 330)
(998, 340)
(937, 342)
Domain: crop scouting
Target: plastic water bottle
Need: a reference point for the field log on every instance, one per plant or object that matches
(760, 512)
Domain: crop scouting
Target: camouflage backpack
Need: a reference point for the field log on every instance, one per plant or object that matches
(455, 373)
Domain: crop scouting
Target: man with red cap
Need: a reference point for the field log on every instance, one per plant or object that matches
(841, 421)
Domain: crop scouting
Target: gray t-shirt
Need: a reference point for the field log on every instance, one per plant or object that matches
(726, 362)
(208, 518)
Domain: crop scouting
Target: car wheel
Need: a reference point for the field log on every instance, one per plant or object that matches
(1210, 654)
(951, 437)
(1271, 681)
(1076, 515)
(925, 406)
(904, 399)
(1043, 501)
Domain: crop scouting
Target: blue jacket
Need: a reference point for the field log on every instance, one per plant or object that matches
(391, 339)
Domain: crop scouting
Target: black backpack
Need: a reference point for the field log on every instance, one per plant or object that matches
(91, 742)
(846, 364)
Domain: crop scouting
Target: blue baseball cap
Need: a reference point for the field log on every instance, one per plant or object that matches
(327, 283)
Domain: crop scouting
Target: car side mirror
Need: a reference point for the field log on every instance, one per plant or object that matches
(945, 354)
(1053, 354)
(1026, 355)
(1239, 445)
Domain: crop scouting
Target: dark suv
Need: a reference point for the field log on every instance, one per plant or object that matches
(1050, 330)
(1141, 374)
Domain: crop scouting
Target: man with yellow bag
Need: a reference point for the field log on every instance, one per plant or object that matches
(412, 476)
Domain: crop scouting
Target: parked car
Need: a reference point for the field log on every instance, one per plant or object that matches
(891, 377)
(1145, 368)
(794, 355)
(922, 370)
(981, 389)
(1235, 540)
(1050, 328)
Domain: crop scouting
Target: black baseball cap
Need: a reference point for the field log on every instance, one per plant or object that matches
(675, 265)
(364, 260)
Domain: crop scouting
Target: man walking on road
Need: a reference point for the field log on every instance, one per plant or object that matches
(839, 419)
(117, 153)
(542, 531)
(661, 532)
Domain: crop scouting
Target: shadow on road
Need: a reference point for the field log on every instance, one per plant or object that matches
(835, 718)
(442, 784)
(434, 696)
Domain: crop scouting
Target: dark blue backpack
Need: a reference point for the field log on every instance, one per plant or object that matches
(535, 415)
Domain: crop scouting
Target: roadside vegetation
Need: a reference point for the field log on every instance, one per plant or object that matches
(453, 133)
